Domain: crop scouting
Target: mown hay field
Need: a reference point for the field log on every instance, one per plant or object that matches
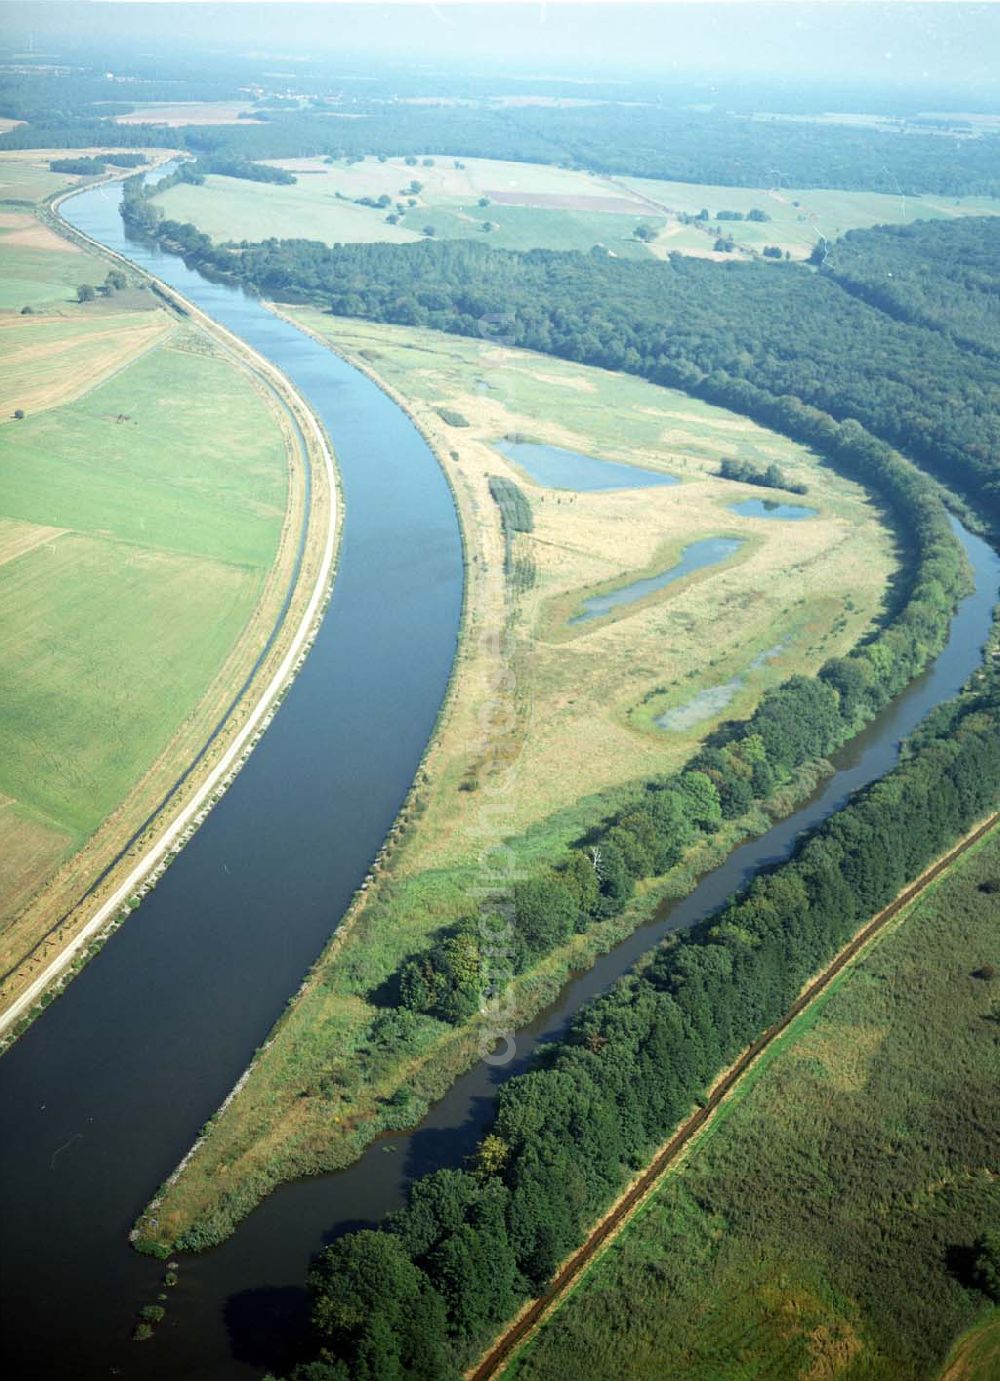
(143, 502)
(52, 359)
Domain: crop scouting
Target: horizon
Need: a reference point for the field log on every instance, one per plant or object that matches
(924, 45)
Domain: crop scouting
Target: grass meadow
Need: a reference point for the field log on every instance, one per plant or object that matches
(25, 175)
(175, 453)
(37, 267)
(107, 648)
(593, 691)
(798, 218)
(230, 209)
(569, 709)
(822, 1225)
(533, 206)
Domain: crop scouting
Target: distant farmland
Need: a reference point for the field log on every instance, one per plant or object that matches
(534, 206)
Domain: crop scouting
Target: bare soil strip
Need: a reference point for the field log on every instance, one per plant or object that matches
(567, 201)
(538, 1311)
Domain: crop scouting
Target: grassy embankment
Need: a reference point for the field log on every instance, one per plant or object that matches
(532, 206)
(152, 506)
(821, 1225)
(567, 709)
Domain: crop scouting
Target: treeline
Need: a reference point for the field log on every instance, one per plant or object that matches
(94, 166)
(59, 99)
(232, 165)
(652, 140)
(941, 274)
(768, 477)
(421, 1295)
(754, 214)
(730, 333)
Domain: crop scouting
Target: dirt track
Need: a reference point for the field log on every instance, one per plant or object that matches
(611, 1224)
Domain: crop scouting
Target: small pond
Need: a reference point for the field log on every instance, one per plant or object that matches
(707, 552)
(713, 699)
(558, 468)
(771, 508)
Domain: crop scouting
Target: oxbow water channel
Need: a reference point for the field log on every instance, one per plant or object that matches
(107, 1090)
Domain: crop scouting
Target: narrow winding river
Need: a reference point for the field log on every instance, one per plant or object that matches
(106, 1091)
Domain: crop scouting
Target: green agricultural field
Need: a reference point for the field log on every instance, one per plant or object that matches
(532, 206)
(26, 177)
(552, 208)
(32, 277)
(174, 453)
(107, 646)
(798, 219)
(137, 525)
(229, 208)
(823, 1225)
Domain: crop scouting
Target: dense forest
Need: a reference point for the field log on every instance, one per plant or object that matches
(646, 138)
(941, 274)
(421, 1295)
(743, 335)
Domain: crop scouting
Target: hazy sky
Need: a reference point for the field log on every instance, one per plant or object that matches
(901, 42)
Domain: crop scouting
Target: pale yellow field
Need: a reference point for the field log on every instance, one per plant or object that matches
(188, 113)
(49, 360)
(22, 229)
(30, 852)
(17, 538)
(587, 693)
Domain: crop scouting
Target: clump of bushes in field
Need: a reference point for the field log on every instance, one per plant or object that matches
(453, 418)
(770, 477)
(85, 166)
(90, 166)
